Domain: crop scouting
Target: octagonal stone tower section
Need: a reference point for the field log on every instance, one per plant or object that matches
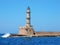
(28, 29)
(28, 24)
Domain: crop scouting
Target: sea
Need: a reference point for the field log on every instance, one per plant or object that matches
(30, 40)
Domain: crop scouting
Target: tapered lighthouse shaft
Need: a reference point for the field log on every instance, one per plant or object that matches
(28, 17)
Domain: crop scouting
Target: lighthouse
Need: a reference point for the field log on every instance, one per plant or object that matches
(27, 29)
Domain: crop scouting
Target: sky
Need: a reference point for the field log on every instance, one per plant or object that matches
(45, 15)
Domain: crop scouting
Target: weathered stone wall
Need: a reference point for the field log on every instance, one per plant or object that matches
(47, 33)
(23, 31)
(26, 31)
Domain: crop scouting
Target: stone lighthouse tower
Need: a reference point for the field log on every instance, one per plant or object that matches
(27, 29)
(28, 17)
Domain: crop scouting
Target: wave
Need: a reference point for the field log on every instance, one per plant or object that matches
(5, 35)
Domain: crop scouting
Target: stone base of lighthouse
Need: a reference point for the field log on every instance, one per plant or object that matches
(26, 31)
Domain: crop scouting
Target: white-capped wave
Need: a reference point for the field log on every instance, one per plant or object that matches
(6, 35)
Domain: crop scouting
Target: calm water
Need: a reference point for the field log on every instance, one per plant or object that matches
(30, 41)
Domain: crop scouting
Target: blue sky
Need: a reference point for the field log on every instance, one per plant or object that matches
(45, 15)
